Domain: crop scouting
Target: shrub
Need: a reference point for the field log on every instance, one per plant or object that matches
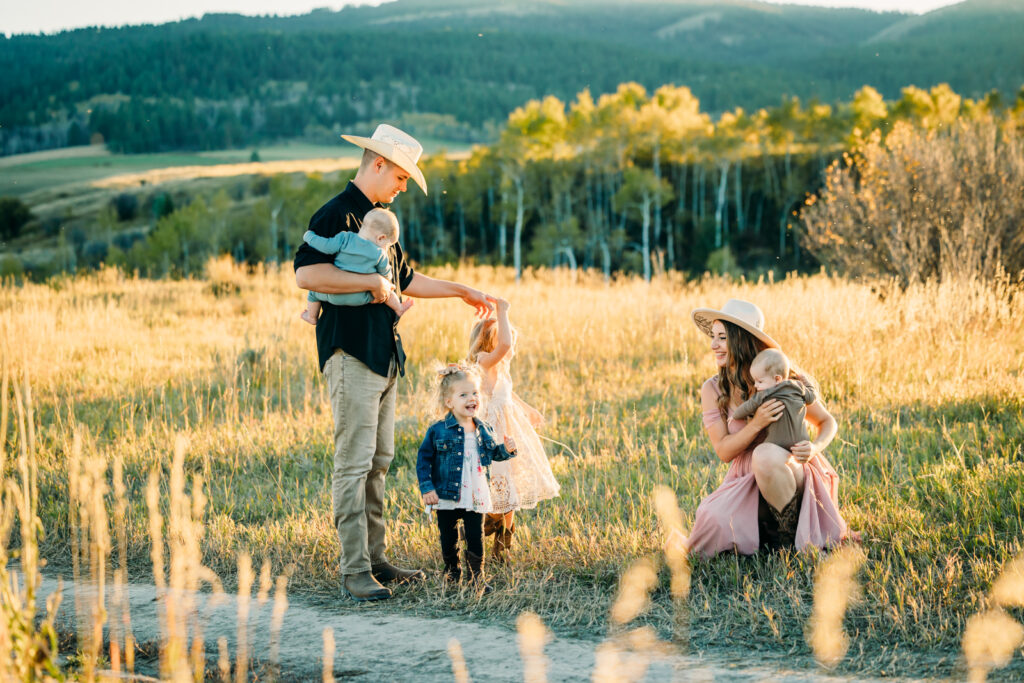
(260, 186)
(51, 226)
(126, 205)
(161, 205)
(923, 205)
(723, 262)
(125, 240)
(10, 266)
(14, 214)
(77, 237)
(94, 252)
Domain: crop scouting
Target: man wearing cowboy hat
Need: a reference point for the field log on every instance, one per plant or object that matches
(361, 354)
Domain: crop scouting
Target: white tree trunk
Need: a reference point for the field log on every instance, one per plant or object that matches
(657, 195)
(462, 230)
(606, 261)
(670, 248)
(571, 258)
(741, 222)
(517, 240)
(645, 208)
(503, 229)
(720, 204)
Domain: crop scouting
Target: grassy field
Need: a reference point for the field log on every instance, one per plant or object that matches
(927, 386)
(28, 175)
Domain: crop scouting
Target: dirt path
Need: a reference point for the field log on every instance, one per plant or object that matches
(384, 646)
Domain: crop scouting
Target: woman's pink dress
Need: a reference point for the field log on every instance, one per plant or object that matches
(727, 518)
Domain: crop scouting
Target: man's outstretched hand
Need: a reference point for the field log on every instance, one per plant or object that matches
(483, 303)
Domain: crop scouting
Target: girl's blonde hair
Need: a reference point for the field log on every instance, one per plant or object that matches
(448, 376)
(484, 337)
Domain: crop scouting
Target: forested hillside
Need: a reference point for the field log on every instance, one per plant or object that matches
(926, 186)
(455, 68)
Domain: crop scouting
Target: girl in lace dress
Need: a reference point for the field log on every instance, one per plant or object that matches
(521, 483)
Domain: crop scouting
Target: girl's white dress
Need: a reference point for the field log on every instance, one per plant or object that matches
(521, 482)
(473, 493)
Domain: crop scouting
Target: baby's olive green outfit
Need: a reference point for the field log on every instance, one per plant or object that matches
(788, 429)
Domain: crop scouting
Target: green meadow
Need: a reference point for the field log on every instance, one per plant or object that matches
(71, 170)
(926, 385)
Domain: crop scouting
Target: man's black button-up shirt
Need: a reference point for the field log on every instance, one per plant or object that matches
(365, 332)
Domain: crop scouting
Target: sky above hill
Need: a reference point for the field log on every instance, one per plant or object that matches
(48, 16)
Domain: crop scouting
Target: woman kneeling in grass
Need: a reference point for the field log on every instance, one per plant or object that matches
(771, 497)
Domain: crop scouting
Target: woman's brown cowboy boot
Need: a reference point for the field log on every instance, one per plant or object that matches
(787, 520)
(767, 526)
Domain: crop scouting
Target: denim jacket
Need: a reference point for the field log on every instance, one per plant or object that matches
(439, 461)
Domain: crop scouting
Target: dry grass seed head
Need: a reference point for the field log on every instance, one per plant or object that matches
(634, 591)
(989, 642)
(835, 587)
(532, 636)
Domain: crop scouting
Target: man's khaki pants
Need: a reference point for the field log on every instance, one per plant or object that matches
(363, 404)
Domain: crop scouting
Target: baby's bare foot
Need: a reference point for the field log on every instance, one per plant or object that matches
(308, 317)
(404, 306)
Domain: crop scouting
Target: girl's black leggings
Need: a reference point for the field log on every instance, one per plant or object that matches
(472, 524)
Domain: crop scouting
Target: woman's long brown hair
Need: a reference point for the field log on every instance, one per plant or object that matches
(742, 347)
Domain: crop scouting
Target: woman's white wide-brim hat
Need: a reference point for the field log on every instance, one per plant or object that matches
(738, 312)
(396, 146)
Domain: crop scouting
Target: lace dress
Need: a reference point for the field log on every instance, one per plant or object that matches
(727, 518)
(525, 480)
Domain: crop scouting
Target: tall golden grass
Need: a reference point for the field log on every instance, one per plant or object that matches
(185, 425)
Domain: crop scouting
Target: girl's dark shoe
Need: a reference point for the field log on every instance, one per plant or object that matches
(452, 569)
(476, 572)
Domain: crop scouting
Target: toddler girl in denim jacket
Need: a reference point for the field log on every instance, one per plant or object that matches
(452, 469)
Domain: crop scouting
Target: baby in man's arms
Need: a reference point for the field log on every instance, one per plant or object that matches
(365, 251)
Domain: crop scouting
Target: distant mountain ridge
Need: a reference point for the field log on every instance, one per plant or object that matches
(456, 67)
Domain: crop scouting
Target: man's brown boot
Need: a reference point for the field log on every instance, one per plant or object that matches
(364, 587)
(385, 572)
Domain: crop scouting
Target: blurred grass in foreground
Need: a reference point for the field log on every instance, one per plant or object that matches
(926, 385)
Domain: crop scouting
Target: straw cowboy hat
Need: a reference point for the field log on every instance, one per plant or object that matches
(738, 312)
(396, 146)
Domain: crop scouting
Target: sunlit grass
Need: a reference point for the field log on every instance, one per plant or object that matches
(926, 385)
